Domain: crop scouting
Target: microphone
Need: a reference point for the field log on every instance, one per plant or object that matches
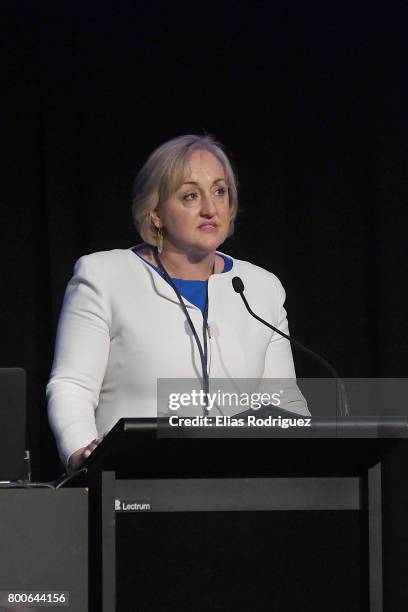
(239, 288)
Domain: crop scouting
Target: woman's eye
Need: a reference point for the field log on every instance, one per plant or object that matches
(221, 191)
(191, 195)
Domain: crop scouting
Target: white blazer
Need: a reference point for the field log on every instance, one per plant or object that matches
(121, 328)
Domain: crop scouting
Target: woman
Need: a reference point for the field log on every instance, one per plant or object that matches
(160, 309)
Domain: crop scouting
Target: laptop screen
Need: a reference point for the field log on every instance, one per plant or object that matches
(12, 423)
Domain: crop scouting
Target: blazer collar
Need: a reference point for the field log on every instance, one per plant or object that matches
(163, 288)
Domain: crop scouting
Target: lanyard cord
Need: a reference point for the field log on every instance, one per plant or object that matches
(202, 351)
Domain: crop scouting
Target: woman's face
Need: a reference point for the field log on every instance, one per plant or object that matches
(196, 218)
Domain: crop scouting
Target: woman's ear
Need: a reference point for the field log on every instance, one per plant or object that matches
(155, 219)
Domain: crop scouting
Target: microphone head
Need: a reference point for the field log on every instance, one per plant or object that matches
(238, 284)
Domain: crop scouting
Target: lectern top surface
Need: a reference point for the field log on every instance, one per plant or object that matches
(137, 448)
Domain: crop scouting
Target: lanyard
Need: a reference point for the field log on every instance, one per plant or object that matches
(202, 351)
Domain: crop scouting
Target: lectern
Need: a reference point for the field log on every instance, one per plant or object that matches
(197, 522)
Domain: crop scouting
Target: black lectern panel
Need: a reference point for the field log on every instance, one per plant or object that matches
(240, 561)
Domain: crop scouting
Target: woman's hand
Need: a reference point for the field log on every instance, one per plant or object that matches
(83, 453)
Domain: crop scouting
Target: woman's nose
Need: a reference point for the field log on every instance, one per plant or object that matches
(207, 205)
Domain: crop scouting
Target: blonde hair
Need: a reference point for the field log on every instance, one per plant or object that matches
(165, 171)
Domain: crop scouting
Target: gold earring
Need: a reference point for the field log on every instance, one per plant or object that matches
(159, 239)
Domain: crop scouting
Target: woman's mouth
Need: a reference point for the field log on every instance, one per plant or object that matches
(208, 227)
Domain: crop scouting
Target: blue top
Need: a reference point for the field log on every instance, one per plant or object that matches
(195, 291)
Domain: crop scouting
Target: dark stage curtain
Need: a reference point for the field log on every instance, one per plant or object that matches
(309, 97)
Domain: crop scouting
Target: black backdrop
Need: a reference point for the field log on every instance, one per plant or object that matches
(310, 98)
